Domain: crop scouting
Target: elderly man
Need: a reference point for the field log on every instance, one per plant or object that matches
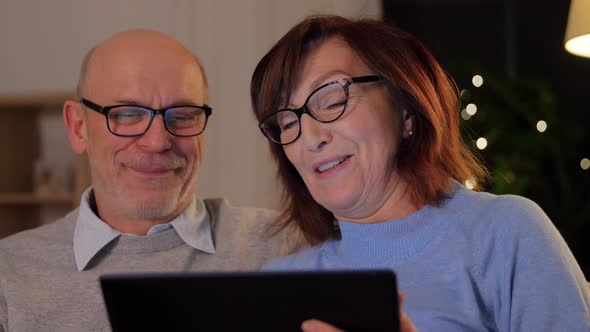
(140, 119)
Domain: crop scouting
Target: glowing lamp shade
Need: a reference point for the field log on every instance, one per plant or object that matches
(577, 33)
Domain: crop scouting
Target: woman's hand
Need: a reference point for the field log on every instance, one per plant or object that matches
(314, 325)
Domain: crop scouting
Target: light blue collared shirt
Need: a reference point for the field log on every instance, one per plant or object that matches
(92, 234)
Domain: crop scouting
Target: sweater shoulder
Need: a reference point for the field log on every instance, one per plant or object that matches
(246, 221)
(508, 230)
(55, 237)
(58, 231)
(307, 259)
(482, 211)
(223, 211)
(251, 228)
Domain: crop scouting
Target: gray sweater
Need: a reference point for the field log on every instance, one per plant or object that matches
(41, 289)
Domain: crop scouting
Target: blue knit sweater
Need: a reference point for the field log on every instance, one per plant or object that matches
(478, 262)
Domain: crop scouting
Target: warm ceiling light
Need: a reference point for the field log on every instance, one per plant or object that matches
(577, 34)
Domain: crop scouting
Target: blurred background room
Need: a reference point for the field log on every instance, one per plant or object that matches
(524, 97)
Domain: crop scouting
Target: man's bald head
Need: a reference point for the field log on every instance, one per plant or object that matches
(150, 178)
(143, 39)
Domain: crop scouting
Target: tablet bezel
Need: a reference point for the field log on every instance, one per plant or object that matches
(261, 301)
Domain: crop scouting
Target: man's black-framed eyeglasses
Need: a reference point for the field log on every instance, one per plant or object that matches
(325, 104)
(134, 120)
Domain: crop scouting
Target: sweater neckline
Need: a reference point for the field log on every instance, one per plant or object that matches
(396, 239)
(131, 244)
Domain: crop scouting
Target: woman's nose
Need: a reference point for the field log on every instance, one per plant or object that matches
(314, 134)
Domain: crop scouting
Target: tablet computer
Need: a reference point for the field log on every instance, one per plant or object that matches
(251, 301)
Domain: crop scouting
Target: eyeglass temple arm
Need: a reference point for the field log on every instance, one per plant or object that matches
(92, 105)
(365, 79)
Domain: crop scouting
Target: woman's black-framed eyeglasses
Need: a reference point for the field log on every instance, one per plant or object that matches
(135, 120)
(325, 104)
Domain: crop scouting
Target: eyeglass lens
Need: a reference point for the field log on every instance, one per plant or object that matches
(134, 120)
(324, 105)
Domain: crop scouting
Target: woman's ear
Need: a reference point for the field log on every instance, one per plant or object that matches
(75, 121)
(407, 124)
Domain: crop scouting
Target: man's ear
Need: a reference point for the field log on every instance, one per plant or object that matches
(407, 124)
(75, 121)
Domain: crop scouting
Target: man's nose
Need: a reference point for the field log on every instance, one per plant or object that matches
(314, 134)
(156, 138)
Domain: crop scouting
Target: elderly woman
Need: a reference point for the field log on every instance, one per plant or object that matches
(364, 126)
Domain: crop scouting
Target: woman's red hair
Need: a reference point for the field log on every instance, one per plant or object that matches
(428, 161)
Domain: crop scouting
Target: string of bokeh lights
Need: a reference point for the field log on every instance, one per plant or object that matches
(481, 143)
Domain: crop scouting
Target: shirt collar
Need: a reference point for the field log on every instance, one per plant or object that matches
(92, 234)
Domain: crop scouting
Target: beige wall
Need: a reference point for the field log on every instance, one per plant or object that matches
(43, 43)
